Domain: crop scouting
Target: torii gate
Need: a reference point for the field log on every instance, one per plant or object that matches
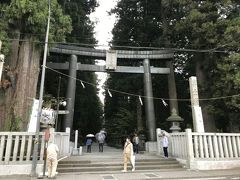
(73, 66)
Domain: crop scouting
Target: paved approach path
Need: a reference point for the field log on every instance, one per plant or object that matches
(112, 155)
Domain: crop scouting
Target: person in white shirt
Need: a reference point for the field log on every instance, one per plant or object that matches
(165, 145)
(52, 161)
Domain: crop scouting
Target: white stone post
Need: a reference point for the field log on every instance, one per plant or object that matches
(158, 133)
(196, 149)
(190, 153)
(75, 150)
(8, 149)
(196, 109)
(15, 151)
(238, 145)
(229, 145)
(201, 147)
(234, 143)
(225, 147)
(80, 151)
(215, 145)
(205, 144)
(2, 147)
(220, 147)
(68, 130)
(22, 147)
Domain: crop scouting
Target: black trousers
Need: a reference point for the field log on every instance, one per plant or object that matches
(89, 148)
(135, 148)
(165, 150)
(100, 147)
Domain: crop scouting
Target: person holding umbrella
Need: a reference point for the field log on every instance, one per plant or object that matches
(100, 138)
(89, 142)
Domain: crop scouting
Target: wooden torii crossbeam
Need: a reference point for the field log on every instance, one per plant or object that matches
(146, 69)
(121, 54)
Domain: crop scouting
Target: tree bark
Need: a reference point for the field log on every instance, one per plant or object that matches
(209, 122)
(22, 72)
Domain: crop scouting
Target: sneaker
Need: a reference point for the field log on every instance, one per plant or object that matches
(133, 169)
(124, 170)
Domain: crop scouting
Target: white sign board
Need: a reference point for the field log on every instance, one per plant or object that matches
(193, 91)
(197, 119)
(48, 116)
(196, 109)
(33, 118)
(111, 59)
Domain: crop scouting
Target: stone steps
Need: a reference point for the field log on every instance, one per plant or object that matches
(113, 166)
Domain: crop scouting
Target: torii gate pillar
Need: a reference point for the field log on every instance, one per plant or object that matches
(149, 107)
(71, 88)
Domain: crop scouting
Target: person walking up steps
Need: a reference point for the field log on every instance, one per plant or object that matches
(89, 144)
(135, 143)
(101, 139)
(127, 153)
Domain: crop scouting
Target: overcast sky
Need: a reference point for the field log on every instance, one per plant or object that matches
(103, 27)
(104, 22)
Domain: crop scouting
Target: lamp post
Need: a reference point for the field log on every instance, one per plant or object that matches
(35, 150)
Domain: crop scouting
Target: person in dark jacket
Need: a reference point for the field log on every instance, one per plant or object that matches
(89, 144)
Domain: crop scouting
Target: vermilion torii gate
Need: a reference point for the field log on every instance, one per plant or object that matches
(145, 56)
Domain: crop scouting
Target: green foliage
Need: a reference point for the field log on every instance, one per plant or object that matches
(88, 110)
(30, 17)
(212, 25)
(120, 125)
(13, 124)
(3, 30)
(229, 80)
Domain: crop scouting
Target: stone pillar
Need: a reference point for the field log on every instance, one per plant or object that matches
(175, 119)
(149, 107)
(190, 152)
(75, 149)
(71, 88)
(159, 147)
(67, 142)
(196, 109)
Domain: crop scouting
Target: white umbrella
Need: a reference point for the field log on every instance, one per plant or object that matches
(90, 135)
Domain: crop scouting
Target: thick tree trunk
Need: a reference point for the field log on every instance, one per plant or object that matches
(209, 122)
(23, 74)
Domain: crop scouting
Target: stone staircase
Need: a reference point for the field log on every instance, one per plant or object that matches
(115, 166)
(111, 161)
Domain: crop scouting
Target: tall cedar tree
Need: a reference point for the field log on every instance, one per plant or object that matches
(24, 23)
(88, 108)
